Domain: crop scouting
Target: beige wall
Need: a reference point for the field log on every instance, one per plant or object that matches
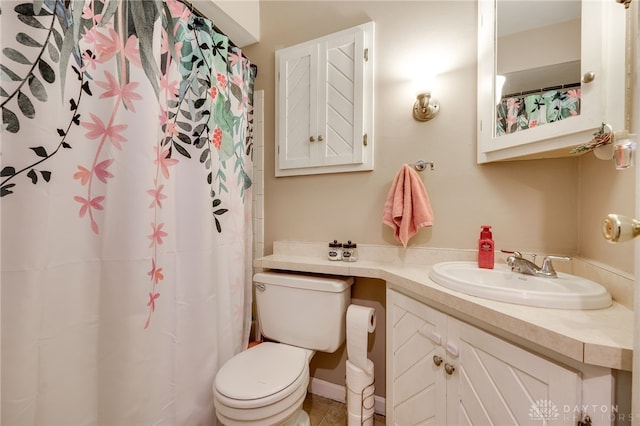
(604, 190)
(553, 206)
(550, 45)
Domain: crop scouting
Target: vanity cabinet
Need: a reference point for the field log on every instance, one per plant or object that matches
(562, 79)
(324, 104)
(446, 372)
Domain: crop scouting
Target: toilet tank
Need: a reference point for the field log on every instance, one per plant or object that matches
(303, 310)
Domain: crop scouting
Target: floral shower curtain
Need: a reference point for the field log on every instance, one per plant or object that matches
(521, 112)
(125, 184)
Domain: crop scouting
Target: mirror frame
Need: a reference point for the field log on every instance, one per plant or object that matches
(603, 55)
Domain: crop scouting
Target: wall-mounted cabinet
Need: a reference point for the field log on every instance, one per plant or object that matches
(446, 372)
(538, 113)
(324, 104)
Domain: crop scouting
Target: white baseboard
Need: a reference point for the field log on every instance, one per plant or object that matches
(339, 393)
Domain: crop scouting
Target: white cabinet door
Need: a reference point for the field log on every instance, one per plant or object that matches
(415, 384)
(500, 383)
(324, 104)
(298, 103)
(340, 103)
(481, 379)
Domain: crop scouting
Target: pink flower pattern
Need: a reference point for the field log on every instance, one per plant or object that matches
(157, 195)
(163, 161)
(108, 43)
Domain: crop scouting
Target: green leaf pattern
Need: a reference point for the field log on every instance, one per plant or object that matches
(518, 113)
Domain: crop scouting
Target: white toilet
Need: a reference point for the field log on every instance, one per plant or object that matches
(266, 384)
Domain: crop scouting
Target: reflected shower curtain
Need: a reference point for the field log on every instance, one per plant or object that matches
(125, 183)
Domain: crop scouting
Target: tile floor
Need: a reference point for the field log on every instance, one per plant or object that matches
(326, 412)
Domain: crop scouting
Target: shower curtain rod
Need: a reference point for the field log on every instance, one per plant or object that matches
(202, 15)
(542, 90)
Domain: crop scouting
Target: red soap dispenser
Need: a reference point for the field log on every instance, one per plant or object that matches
(485, 248)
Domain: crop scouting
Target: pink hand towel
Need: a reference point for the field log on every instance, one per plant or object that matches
(407, 208)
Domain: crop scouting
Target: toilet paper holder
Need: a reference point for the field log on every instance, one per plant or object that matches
(364, 409)
(360, 380)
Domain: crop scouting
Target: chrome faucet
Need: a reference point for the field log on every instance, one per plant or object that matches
(524, 266)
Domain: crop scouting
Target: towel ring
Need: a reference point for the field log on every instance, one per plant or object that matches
(421, 165)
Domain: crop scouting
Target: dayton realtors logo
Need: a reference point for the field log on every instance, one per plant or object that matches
(546, 411)
(543, 410)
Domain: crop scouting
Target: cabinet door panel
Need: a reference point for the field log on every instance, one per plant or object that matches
(500, 383)
(472, 411)
(416, 395)
(418, 392)
(497, 388)
(342, 112)
(297, 106)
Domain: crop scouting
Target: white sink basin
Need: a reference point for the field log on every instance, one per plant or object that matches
(501, 284)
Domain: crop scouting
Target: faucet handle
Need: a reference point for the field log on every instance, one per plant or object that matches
(563, 258)
(547, 264)
(512, 259)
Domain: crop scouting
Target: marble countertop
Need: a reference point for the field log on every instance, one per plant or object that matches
(602, 337)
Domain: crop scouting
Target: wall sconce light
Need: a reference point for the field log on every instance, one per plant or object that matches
(423, 109)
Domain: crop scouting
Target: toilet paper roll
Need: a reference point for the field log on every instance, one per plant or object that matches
(361, 320)
(358, 378)
(360, 393)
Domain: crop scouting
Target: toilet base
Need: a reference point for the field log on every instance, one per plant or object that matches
(291, 415)
(301, 419)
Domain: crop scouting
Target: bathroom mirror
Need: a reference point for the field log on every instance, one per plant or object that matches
(549, 74)
(537, 63)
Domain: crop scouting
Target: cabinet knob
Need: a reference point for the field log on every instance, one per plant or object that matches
(312, 139)
(588, 77)
(437, 360)
(449, 368)
(320, 138)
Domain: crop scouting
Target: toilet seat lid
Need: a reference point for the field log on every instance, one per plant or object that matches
(261, 371)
